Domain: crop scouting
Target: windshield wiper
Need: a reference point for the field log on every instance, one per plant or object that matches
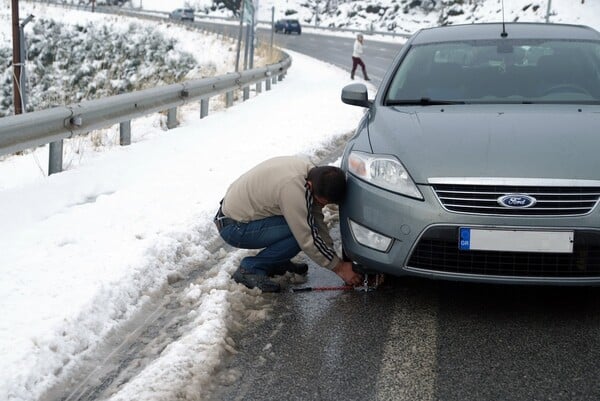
(424, 101)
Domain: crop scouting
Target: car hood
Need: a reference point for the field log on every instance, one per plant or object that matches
(524, 141)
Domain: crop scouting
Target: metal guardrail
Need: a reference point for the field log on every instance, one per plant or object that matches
(24, 131)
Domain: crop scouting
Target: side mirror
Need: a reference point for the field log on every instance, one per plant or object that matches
(356, 95)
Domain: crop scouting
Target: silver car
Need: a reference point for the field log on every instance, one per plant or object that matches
(479, 158)
(182, 14)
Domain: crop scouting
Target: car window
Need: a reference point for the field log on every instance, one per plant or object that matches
(499, 71)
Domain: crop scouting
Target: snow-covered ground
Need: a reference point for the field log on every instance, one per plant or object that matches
(82, 251)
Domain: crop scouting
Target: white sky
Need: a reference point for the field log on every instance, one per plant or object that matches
(81, 251)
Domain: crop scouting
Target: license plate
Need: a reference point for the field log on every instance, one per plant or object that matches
(478, 239)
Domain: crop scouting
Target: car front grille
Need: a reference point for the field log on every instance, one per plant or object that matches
(438, 251)
(551, 201)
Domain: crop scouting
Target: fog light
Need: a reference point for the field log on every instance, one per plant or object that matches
(369, 238)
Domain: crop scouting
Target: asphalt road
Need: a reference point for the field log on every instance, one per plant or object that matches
(338, 51)
(419, 339)
(332, 49)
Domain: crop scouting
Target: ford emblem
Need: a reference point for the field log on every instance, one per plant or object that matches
(517, 200)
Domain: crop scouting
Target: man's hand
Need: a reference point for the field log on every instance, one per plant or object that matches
(345, 271)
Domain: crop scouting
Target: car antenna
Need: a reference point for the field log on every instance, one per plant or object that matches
(504, 33)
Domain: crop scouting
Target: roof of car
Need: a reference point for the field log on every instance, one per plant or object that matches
(515, 30)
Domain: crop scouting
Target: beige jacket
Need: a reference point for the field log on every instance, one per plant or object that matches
(277, 187)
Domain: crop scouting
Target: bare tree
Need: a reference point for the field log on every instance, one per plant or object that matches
(233, 5)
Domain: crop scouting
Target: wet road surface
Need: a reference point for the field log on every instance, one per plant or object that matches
(417, 339)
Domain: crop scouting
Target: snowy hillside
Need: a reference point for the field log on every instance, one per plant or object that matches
(69, 63)
(93, 56)
(402, 16)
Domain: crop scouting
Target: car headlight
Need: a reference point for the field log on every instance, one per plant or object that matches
(383, 171)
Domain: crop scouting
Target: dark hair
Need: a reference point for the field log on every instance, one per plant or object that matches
(328, 182)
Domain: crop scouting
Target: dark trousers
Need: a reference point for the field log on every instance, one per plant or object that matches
(271, 233)
(355, 62)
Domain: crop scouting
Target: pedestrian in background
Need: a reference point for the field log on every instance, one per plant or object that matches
(356, 57)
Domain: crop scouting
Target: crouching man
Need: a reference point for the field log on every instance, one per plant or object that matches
(277, 205)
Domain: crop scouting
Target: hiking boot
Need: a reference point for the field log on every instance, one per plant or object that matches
(259, 281)
(296, 268)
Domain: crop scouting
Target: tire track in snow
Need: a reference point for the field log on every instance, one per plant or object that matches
(162, 321)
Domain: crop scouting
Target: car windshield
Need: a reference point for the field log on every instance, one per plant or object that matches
(498, 71)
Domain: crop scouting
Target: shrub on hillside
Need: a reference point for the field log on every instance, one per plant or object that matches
(71, 63)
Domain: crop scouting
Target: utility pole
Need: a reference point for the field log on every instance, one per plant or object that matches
(16, 58)
(23, 50)
(272, 30)
(247, 45)
(253, 35)
(548, 11)
(239, 44)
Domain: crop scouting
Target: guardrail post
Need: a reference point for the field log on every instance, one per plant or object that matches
(246, 93)
(203, 108)
(229, 99)
(259, 87)
(125, 133)
(172, 118)
(268, 84)
(55, 159)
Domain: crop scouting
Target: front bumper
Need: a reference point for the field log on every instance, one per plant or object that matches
(425, 241)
